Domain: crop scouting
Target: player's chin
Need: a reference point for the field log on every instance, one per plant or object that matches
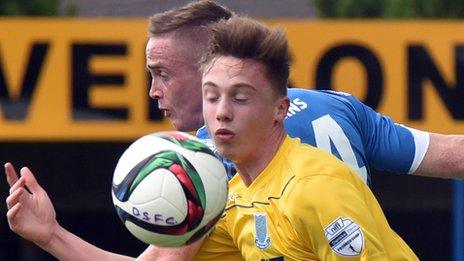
(182, 125)
(225, 150)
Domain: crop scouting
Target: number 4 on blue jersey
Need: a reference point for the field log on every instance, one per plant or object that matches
(342, 125)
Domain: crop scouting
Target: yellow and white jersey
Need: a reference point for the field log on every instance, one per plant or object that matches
(305, 205)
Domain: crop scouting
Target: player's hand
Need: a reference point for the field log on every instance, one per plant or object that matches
(30, 211)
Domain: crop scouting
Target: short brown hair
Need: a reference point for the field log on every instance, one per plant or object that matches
(246, 38)
(197, 13)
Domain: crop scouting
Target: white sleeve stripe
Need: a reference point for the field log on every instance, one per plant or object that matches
(421, 142)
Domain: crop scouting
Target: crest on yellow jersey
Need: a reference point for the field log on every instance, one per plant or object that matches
(262, 239)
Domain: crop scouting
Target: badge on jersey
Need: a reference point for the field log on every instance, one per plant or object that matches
(345, 237)
(262, 239)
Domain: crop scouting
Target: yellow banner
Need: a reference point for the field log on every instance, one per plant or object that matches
(66, 79)
(75, 80)
(412, 71)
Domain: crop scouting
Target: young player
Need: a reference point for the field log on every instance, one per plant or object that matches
(289, 201)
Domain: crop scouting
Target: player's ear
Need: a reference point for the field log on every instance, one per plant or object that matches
(283, 103)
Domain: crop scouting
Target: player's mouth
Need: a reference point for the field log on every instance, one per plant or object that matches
(166, 113)
(223, 135)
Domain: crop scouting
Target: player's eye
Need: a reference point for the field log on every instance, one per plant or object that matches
(160, 74)
(241, 98)
(211, 97)
(163, 75)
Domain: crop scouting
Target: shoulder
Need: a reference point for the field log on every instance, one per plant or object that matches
(324, 185)
(306, 160)
(323, 101)
(318, 171)
(326, 194)
(319, 95)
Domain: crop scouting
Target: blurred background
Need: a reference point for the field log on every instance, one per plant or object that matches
(73, 95)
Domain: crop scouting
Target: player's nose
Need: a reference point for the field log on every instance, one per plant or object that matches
(155, 92)
(224, 111)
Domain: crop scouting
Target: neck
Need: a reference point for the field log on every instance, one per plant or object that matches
(250, 166)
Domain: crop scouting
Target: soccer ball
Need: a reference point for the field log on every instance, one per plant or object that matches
(169, 189)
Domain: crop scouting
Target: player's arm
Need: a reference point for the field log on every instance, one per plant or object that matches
(218, 245)
(397, 148)
(32, 216)
(167, 254)
(444, 157)
(66, 246)
(331, 216)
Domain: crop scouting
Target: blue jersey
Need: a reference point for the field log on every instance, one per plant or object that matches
(339, 123)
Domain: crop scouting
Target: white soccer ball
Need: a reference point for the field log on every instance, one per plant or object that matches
(169, 189)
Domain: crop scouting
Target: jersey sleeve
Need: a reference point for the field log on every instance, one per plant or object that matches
(202, 133)
(333, 218)
(218, 246)
(389, 146)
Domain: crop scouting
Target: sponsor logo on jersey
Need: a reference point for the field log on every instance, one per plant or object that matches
(262, 239)
(345, 237)
(233, 197)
